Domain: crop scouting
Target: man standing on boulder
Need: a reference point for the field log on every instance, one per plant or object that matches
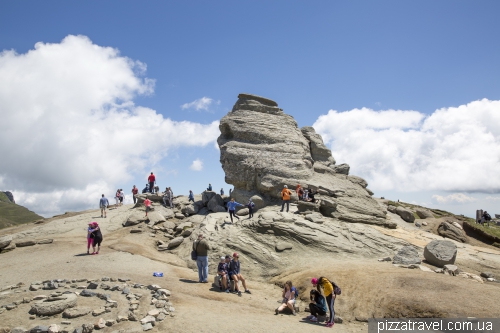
(151, 181)
(103, 204)
(135, 190)
(202, 247)
(285, 195)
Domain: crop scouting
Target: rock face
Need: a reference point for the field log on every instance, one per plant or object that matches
(405, 214)
(424, 213)
(407, 255)
(440, 252)
(5, 241)
(10, 196)
(450, 230)
(263, 149)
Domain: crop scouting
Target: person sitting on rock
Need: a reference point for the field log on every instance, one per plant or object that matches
(311, 195)
(191, 196)
(288, 298)
(146, 189)
(317, 307)
(285, 195)
(222, 272)
(231, 206)
(209, 188)
(147, 203)
(300, 191)
(234, 273)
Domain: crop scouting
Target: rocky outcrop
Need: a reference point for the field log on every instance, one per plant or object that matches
(424, 213)
(405, 214)
(262, 149)
(5, 241)
(407, 255)
(440, 253)
(450, 230)
(10, 196)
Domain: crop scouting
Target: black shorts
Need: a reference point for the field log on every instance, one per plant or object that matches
(97, 241)
(121, 199)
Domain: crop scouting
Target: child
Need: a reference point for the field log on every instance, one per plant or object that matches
(222, 272)
(147, 203)
(90, 236)
(250, 206)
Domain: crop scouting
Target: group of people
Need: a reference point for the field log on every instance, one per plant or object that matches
(231, 208)
(94, 238)
(305, 194)
(119, 197)
(485, 218)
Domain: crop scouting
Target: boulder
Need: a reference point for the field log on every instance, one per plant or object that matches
(440, 252)
(307, 207)
(342, 168)
(175, 242)
(282, 246)
(405, 214)
(242, 212)
(25, 243)
(49, 307)
(206, 196)
(219, 209)
(155, 218)
(215, 201)
(190, 209)
(169, 225)
(179, 216)
(184, 225)
(449, 230)
(406, 255)
(5, 241)
(424, 213)
(135, 218)
(186, 232)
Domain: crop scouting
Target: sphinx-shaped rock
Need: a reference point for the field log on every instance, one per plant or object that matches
(262, 149)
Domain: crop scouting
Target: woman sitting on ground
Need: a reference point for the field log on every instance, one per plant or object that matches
(311, 196)
(317, 307)
(288, 298)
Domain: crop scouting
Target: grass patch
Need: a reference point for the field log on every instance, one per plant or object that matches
(4, 198)
(493, 231)
(416, 216)
(12, 214)
(393, 203)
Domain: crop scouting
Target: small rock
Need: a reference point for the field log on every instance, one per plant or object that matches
(105, 278)
(154, 287)
(98, 312)
(25, 243)
(92, 285)
(147, 327)
(126, 290)
(153, 313)
(385, 259)
(65, 322)
(161, 317)
(450, 269)
(54, 328)
(164, 292)
(87, 328)
(76, 312)
(110, 322)
(148, 319)
(45, 241)
(87, 293)
(132, 316)
(101, 323)
(121, 318)
(282, 246)
(16, 330)
(490, 279)
(487, 275)
(78, 330)
(39, 329)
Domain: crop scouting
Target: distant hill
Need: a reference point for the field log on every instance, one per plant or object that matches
(13, 214)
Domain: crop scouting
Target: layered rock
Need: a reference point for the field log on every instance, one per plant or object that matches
(262, 149)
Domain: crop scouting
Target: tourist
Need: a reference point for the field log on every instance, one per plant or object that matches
(191, 196)
(157, 189)
(299, 191)
(209, 188)
(117, 198)
(165, 197)
(202, 247)
(97, 238)
(326, 285)
(147, 203)
(317, 307)
(250, 206)
(135, 190)
(152, 182)
(170, 196)
(285, 195)
(288, 298)
(231, 206)
(234, 273)
(146, 189)
(222, 272)
(312, 193)
(90, 236)
(122, 197)
(485, 218)
(230, 192)
(103, 204)
(221, 191)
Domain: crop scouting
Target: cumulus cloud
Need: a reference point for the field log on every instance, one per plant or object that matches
(197, 165)
(70, 129)
(454, 198)
(199, 104)
(455, 149)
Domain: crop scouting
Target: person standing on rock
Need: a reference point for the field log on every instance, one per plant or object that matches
(191, 196)
(117, 198)
(135, 190)
(285, 195)
(97, 237)
(231, 206)
(103, 204)
(326, 285)
(221, 191)
(202, 247)
(151, 181)
(147, 203)
(170, 196)
(90, 236)
(234, 273)
(250, 206)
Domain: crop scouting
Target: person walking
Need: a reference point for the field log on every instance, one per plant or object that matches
(103, 204)
(97, 238)
(235, 274)
(152, 182)
(285, 195)
(147, 203)
(191, 196)
(122, 197)
(231, 206)
(117, 198)
(250, 206)
(221, 191)
(201, 246)
(327, 286)
(135, 190)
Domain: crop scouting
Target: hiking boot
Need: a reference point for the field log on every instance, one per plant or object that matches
(276, 312)
(239, 293)
(248, 291)
(227, 290)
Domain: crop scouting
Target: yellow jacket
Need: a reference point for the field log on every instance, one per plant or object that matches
(327, 286)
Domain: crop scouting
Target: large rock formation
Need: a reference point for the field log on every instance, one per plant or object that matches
(263, 149)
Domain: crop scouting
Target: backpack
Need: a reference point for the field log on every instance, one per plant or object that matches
(296, 292)
(487, 217)
(336, 288)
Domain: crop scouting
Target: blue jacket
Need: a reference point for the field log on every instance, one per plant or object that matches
(321, 302)
(234, 267)
(232, 205)
(191, 195)
(103, 202)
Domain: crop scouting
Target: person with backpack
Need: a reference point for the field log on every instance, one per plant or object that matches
(330, 290)
(285, 195)
(486, 218)
(317, 307)
(202, 247)
(289, 295)
(250, 206)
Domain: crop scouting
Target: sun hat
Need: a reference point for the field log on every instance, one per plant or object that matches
(314, 281)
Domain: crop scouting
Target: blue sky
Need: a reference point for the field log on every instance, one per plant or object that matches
(311, 57)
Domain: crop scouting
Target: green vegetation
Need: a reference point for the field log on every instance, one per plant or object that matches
(3, 198)
(492, 232)
(12, 214)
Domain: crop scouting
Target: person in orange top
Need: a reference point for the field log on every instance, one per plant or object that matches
(147, 203)
(285, 195)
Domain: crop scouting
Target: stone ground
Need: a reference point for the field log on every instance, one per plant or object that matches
(370, 288)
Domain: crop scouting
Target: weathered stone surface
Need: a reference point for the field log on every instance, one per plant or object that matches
(218, 209)
(54, 328)
(424, 213)
(450, 269)
(242, 212)
(5, 241)
(190, 209)
(175, 242)
(407, 255)
(155, 218)
(100, 324)
(25, 243)
(440, 252)
(215, 201)
(307, 207)
(282, 246)
(135, 218)
(179, 216)
(18, 330)
(255, 135)
(405, 214)
(449, 230)
(206, 196)
(39, 329)
(49, 308)
(76, 312)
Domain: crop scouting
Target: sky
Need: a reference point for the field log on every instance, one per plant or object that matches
(96, 95)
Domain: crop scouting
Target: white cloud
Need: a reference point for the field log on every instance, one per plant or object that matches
(199, 104)
(454, 198)
(490, 198)
(453, 149)
(70, 130)
(197, 165)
